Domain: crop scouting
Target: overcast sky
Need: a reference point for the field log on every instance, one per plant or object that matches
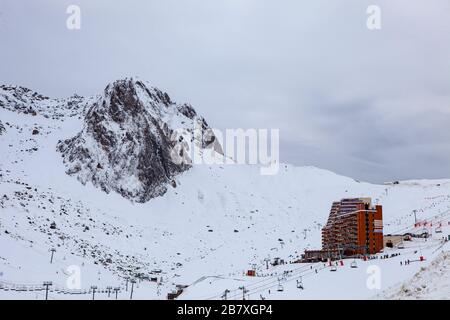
(373, 105)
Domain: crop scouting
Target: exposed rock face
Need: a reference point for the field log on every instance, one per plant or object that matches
(187, 110)
(127, 140)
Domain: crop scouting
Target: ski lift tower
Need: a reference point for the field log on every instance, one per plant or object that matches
(225, 294)
(244, 291)
(52, 250)
(108, 289)
(46, 285)
(116, 290)
(93, 288)
(133, 281)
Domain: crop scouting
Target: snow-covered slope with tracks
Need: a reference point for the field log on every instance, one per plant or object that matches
(212, 220)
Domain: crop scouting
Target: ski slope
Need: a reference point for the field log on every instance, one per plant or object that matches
(217, 222)
(377, 278)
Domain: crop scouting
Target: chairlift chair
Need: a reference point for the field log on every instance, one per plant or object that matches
(401, 246)
(280, 288)
(333, 268)
(438, 230)
(354, 265)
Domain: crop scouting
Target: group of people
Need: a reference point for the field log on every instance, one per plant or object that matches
(386, 256)
(406, 262)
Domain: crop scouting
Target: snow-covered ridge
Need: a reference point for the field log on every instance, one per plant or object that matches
(29, 102)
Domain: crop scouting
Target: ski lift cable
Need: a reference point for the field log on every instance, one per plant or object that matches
(273, 284)
(442, 215)
(291, 273)
(270, 279)
(236, 292)
(39, 287)
(263, 288)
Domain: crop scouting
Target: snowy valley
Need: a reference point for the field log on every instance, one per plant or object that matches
(89, 184)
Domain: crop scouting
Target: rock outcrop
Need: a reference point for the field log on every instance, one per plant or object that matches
(23, 100)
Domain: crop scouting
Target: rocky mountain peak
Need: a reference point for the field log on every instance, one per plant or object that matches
(127, 139)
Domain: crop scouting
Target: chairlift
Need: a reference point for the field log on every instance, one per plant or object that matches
(354, 265)
(300, 284)
(401, 246)
(280, 288)
(333, 268)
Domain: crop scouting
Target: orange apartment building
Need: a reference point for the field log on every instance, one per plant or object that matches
(354, 227)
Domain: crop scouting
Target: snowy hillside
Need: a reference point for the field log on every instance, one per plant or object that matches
(186, 225)
(25, 101)
(431, 282)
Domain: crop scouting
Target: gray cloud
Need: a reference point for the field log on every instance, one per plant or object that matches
(374, 105)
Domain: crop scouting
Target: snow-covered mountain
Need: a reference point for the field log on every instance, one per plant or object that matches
(127, 141)
(93, 179)
(25, 101)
